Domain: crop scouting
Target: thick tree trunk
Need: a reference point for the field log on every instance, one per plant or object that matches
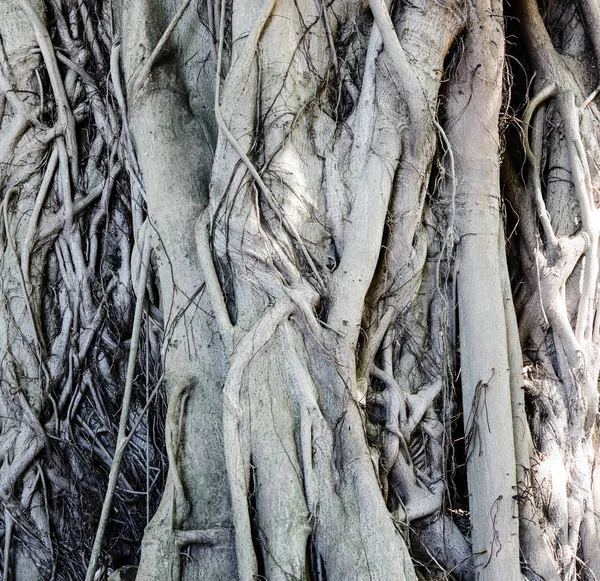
(309, 201)
(474, 101)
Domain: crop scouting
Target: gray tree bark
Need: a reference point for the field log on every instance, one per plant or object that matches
(299, 290)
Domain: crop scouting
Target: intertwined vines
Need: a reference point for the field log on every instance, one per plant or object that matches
(330, 268)
(70, 212)
(558, 322)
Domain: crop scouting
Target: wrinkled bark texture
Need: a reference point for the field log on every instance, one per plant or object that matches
(296, 289)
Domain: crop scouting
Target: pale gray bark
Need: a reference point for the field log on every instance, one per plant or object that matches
(360, 381)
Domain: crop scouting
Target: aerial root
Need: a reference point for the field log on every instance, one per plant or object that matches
(397, 464)
(533, 157)
(141, 76)
(392, 45)
(122, 438)
(213, 285)
(66, 119)
(240, 67)
(55, 240)
(584, 192)
(235, 423)
(26, 294)
(8, 534)
(173, 427)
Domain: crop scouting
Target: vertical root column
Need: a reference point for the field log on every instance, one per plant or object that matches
(473, 110)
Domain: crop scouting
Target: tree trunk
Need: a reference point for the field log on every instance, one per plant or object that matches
(334, 266)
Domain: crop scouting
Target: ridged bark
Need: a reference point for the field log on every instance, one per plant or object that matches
(360, 239)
